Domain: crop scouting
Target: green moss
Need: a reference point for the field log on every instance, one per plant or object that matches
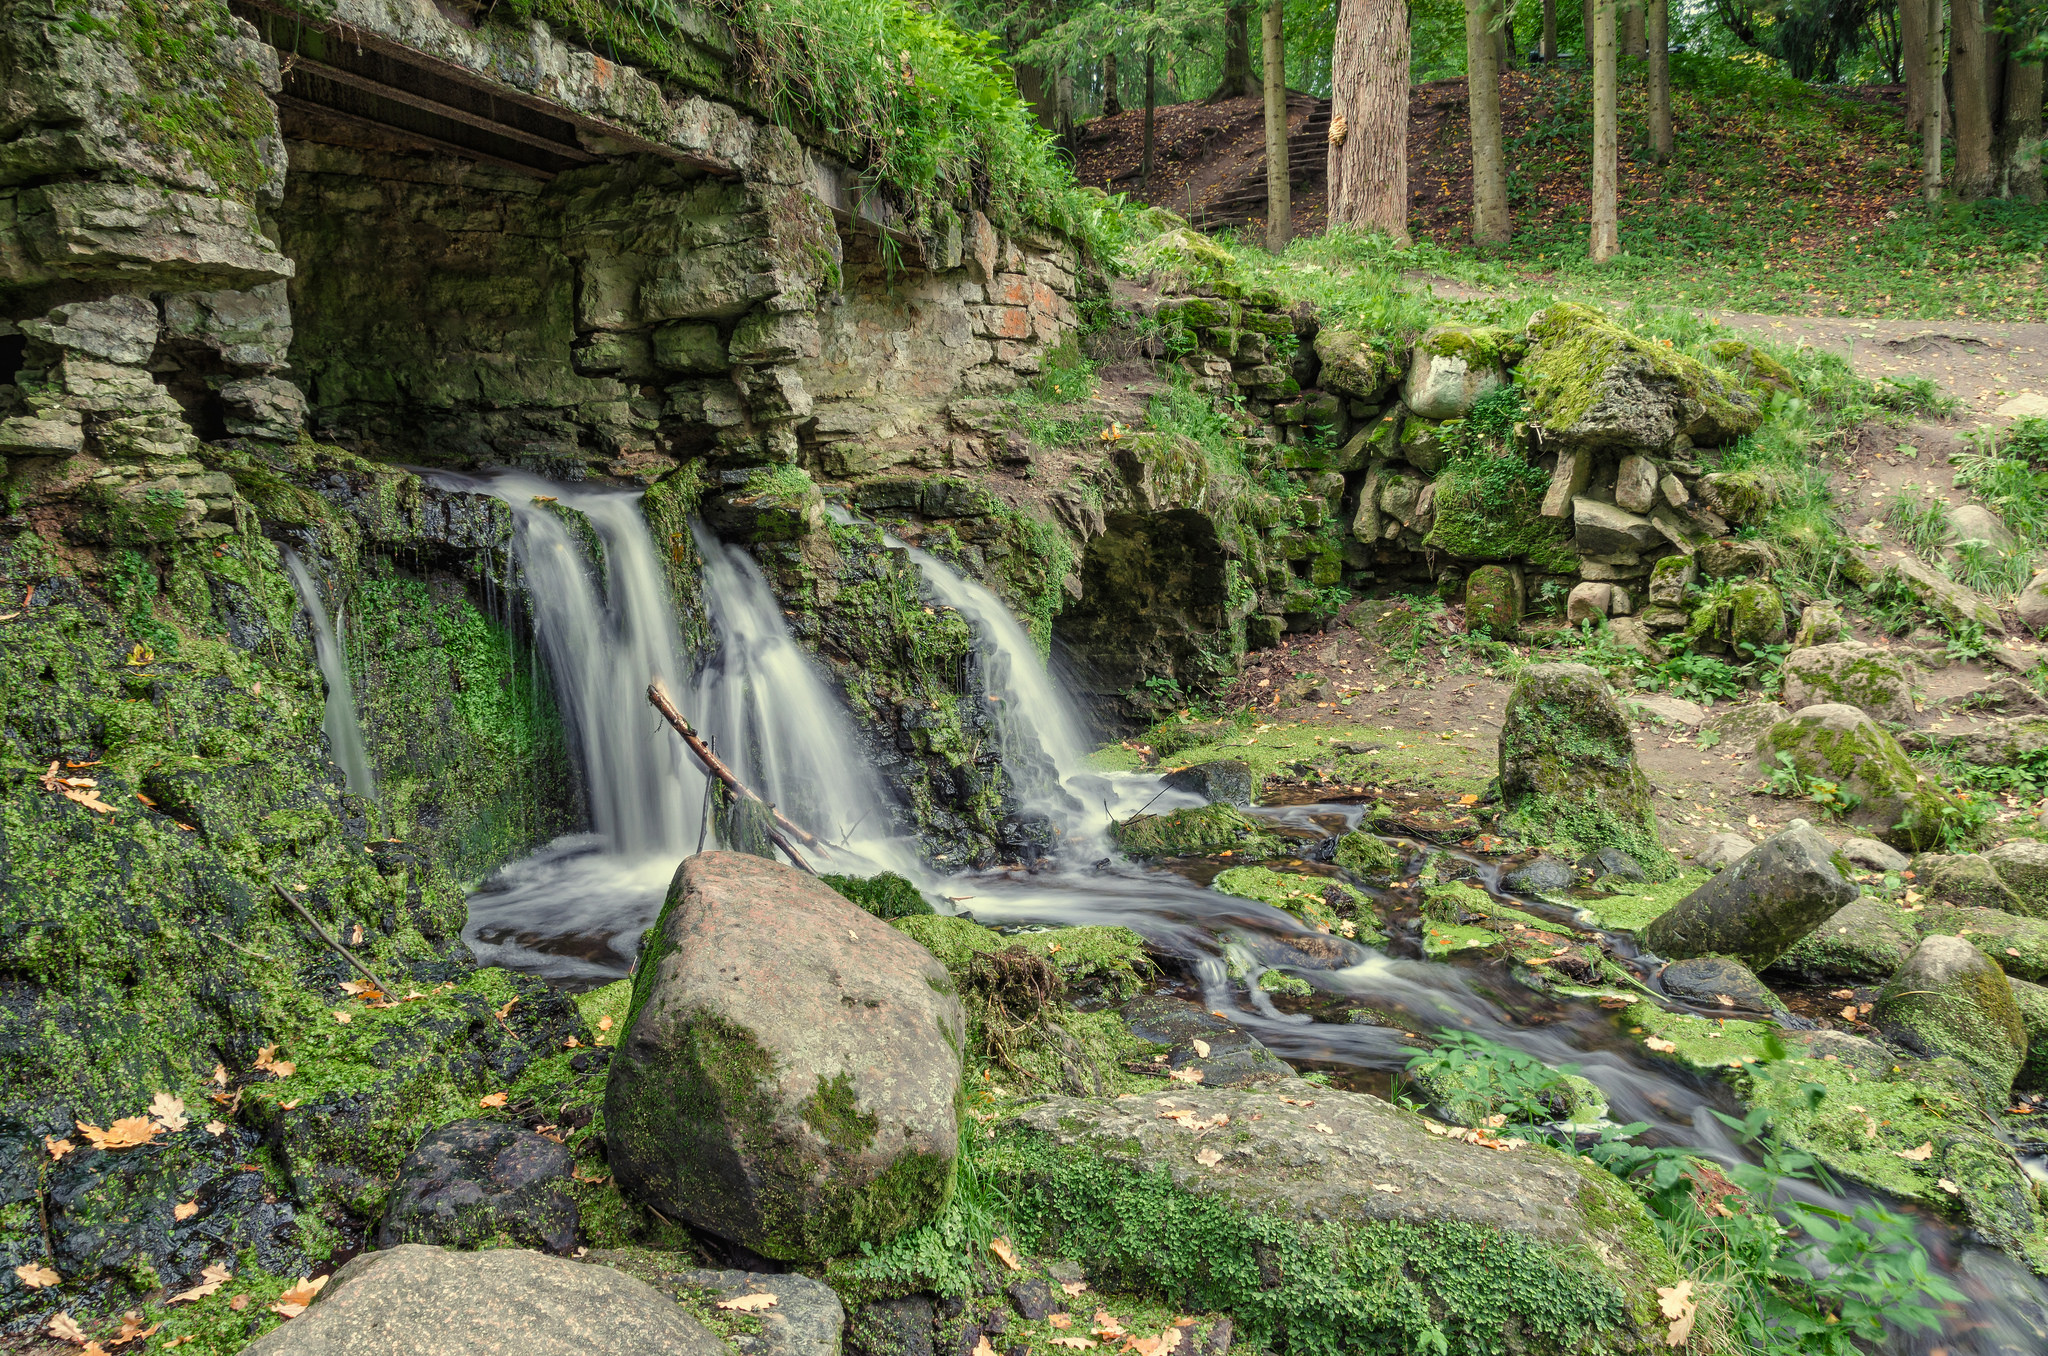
(1280, 982)
(1306, 897)
(1701, 1042)
(834, 1113)
(886, 896)
(1205, 831)
(1110, 957)
(1576, 347)
(1636, 906)
(1488, 508)
(189, 105)
(1443, 939)
(1365, 854)
(1339, 753)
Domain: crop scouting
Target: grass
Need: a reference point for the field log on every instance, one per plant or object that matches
(1782, 198)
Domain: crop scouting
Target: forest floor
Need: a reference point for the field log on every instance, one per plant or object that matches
(1783, 199)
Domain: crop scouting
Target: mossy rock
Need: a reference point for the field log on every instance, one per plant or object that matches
(1481, 515)
(1365, 854)
(1109, 960)
(1863, 941)
(1493, 603)
(1756, 615)
(1591, 383)
(1568, 772)
(1949, 999)
(1209, 830)
(1855, 675)
(1841, 745)
(2018, 946)
(1964, 879)
(887, 896)
(1309, 898)
(2033, 1004)
(1357, 364)
(1473, 1094)
(1757, 370)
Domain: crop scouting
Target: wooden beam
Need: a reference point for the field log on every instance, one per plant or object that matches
(315, 71)
(311, 107)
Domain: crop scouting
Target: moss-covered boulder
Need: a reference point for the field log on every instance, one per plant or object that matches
(1864, 940)
(2033, 1003)
(1334, 1221)
(1452, 366)
(887, 896)
(1855, 675)
(1954, 603)
(1964, 879)
(1752, 617)
(1493, 602)
(1592, 383)
(1365, 854)
(790, 1074)
(1820, 624)
(1207, 831)
(1760, 373)
(1226, 781)
(1840, 745)
(1568, 772)
(1325, 904)
(1756, 909)
(1949, 999)
(2018, 946)
(480, 1183)
(774, 503)
(1357, 364)
(2023, 865)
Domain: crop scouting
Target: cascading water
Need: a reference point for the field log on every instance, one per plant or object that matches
(344, 730)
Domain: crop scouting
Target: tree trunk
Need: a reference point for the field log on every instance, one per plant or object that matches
(1931, 106)
(1145, 157)
(1969, 71)
(2021, 128)
(1369, 81)
(1063, 105)
(1504, 44)
(1632, 36)
(1482, 101)
(1586, 30)
(1237, 79)
(1606, 241)
(1657, 32)
(1279, 188)
(1548, 46)
(1913, 44)
(1112, 103)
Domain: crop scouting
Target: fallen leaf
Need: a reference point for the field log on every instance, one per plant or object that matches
(293, 1302)
(211, 1278)
(1074, 1287)
(131, 1331)
(510, 1003)
(343, 1018)
(1679, 1308)
(1185, 1075)
(1208, 1158)
(184, 1210)
(1386, 1186)
(491, 1099)
(220, 1075)
(178, 1341)
(1849, 1013)
(65, 1329)
(1060, 1320)
(1001, 1248)
(239, 1303)
(1660, 1045)
(357, 986)
(126, 1133)
(169, 1111)
(35, 1275)
(982, 1348)
(287, 1106)
(604, 1023)
(267, 1060)
(1106, 1324)
(1201, 1049)
(57, 1147)
(1919, 1155)
(1322, 1129)
(1950, 1187)
(1468, 800)
(216, 1127)
(748, 1304)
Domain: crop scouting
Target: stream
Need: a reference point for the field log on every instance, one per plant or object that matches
(574, 911)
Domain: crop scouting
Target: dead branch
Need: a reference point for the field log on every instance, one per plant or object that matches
(780, 829)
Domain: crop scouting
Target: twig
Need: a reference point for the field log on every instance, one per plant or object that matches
(339, 949)
(247, 950)
(779, 828)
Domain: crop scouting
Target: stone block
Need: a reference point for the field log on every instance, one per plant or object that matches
(269, 408)
(119, 329)
(768, 337)
(1605, 529)
(1635, 484)
(124, 231)
(51, 433)
(1567, 482)
(718, 282)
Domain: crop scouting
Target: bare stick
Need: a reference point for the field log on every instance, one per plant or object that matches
(339, 949)
(778, 825)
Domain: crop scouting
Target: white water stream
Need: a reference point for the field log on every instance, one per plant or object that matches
(339, 720)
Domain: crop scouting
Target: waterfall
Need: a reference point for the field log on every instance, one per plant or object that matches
(344, 730)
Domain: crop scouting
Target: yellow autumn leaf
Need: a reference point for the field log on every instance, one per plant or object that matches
(1001, 1248)
(1201, 1049)
(211, 1278)
(35, 1275)
(491, 1099)
(168, 1111)
(1919, 1155)
(65, 1329)
(1660, 1045)
(748, 1304)
(184, 1210)
(1679, 1310)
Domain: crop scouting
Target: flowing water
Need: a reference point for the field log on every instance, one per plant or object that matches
(575, 911)
(344, 730)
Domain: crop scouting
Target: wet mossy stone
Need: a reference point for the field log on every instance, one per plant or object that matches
(1493, 603)
(2023, 865)
(1705, 981)
(1225, 782)
(790, 1072)
(1206, 831)
(1540, 875)
(1591, 383)
(807, 1318)
(2033, 1002)
(419, 1298)
(1864, 940)
(480, 1183)
(1568, 772)
(1317, 901)
(1602, 863)
(1234, 1057)
(1839, 744)
(1855, 675)
(1756, 909)
(1295, 1233)
(887, 896)
(1949, 999)
(1472, 1093)
(1365, 854)
(1755, 616)
(1964, 879)
(2018, 946)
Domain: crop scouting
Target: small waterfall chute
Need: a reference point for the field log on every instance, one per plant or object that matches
(339, 718)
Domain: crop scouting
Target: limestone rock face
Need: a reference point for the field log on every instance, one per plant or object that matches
(413, 1298)
(1949, 999)
(1593, 384)
(1451, 367)
(1851, 674)
(473, 1182)
(1568, 766)
(790, 1066)
(1835, 743)
(1756, 909)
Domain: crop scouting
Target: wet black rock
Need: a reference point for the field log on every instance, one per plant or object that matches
(476, 1182)
(1706, 981)
(1033, 1297)
(1541, 875)
(1229, 781)
(1612, 862)
(1758, 908)
(1235, 1057)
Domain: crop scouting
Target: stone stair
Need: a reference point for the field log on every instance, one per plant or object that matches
(1308, 146)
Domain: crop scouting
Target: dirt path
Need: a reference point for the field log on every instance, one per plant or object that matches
(1995, 370)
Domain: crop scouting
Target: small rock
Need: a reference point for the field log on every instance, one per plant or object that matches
(472, 1181)
(1950, 601)
(410, 1299)
(2023, 865)
(1861, 941)
(1609, 530)
(1949, 999)
(1187, 833)
(1634, 633)
(1635, 485)
(1723, 849)
(1819, 624)
(1607, 861)
(1731, 559)
(1452, 366)
(1540, 875)
(1588, 602)
(894, 1327)
(1840, 744)
(1666, 710)
(1756, 909)
(1849, 673)
(1872, 855)
(1493, 602)
(1033, 1298)
(1976, 523)
(1670, 578)
(1226, 782)
(2033, 603)
(1235, 1058)
(1364, 854)
(1967, 879)
(1705, 980)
